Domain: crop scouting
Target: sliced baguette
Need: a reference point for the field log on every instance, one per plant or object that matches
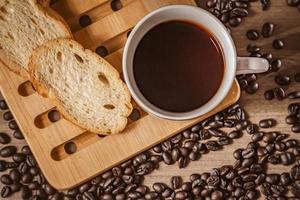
(86, 89)
(24, 26)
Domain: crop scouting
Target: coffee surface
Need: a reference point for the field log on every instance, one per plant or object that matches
(178, 66)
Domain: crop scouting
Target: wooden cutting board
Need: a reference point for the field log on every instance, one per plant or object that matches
(49, 142)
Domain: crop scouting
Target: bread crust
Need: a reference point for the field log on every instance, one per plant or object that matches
(50, 13)
(48, 93)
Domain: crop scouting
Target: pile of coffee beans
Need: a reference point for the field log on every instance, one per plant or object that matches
(293, 117)
(230, 12)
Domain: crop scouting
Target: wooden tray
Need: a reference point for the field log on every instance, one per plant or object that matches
(94, 154)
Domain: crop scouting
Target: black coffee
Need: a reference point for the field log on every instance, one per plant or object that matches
(178, 66)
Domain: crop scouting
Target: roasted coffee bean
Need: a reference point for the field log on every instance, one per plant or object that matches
(295, 172)
(251, 128)
(183, 162)
(296, 128)
(196, 128)
(181, 195)
(225, 17)
(34, 185)
(50, 190)
(216, 124)
(59, 196)
(294, 95)
(7, 116)
(235, 21)
(282, 80)
(287, 158)
(237, 154)
(257, 55)
(16, 187)
(278, 44)
(27, 178)
(294, 109)
(291, 143)
(8, 151)
(276, 65)
(19, 157)
(267, 123)
(6, 180)
(248, 153)
(159, 187)
(212, 145)
(291, 119)
(292, 2)
(3, 105)
(265, 4)
(25, 192)
(252, 48)
(4, 138)
(235, 134)
(26, 150)
(167, 158)
(260, 179)
(272, 178)
(285, 179)
(30, 160)
(240, 12)
(6, 192)
(277, 189)
(224, 140)
(257, 136)
(216, 133)
(15, 175)
(213, 181)
(18, 135)
(85, 20)
(252, 34)
(267, 29)
(40, 178)
(279, 93)
(13, 125)
(268, 56)
(252, 87)
(2, 165)
(216, 195)
(295, 189)
(23, 168)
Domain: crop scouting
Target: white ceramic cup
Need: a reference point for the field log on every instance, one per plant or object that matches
(233, 65)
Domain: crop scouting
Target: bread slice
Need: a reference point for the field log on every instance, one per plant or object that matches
(44, 3)
(24, 26)
(86, 89)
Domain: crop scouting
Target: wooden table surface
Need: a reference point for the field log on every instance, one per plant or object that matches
(287, 22)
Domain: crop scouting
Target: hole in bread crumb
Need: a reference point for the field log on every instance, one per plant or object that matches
(109, 106)
(42, 31)
(3, 10)
(59, 56)
(33, 21)
(10, 36)
(2, 18)
(78, 58)
(103, 78)
(71, 45)
(50, 70)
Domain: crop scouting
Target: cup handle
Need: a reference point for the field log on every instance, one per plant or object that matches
(251, 65)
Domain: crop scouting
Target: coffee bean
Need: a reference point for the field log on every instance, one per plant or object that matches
(59, 196)
(252, 34)
(167, 158)
(15, 175)
(291, 119)
(272, 178)
(8, 151)
(285, 179)
(267, 29)
(216, 133)
(6, 192)
(252, 87)
(3, 105)
(13, 125)
(212, 145)
(240, 12)
(26, 150)
(235, 21)
(251, 128)
(211, 3)
(265, 4)
(282, 80)
(181, 195)
(294, 95)
(6, 180)
(248, 153)
(16, 187)
(276, 65)
(267, 123)
(183, 162)
(4, 138)
(18, 157)
(7, 116)
(159, 187)
(25, 192)
(279, 93)
(292, 2)
(291, 143)
(27, 178)
(85, 21)
(287, 158)
(252, 48)
(18, 135)
(278, 44)
(216, 195)
(176, 139)
(34, 185)
(296, 128)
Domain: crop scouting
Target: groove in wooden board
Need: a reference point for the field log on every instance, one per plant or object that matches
(115, 59)
(69, 8)
(94, 14)
(110, 26)
(26, 89)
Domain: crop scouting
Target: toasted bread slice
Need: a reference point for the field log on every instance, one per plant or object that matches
(24, 26)
(86, 89)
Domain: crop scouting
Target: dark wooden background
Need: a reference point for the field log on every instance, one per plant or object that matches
(287, 21)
